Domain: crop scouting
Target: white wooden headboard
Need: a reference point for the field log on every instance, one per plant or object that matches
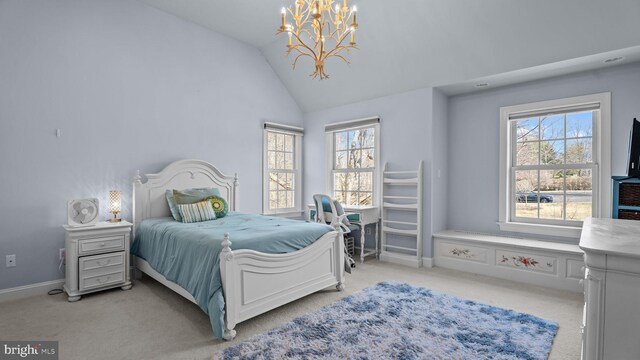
(149, 197)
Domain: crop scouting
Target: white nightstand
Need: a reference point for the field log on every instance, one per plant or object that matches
(97, 258)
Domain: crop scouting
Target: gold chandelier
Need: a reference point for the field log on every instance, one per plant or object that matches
(318, 25)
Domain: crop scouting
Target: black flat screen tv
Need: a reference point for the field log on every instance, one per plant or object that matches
(634, 150)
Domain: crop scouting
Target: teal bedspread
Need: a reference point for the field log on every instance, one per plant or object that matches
(188, 254)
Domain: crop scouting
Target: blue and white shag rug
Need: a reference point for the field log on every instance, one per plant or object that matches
(399, 321)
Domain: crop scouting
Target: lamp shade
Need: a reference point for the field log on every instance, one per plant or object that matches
(115, 201)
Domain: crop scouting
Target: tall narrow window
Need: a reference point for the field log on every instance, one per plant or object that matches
(354, 161)
(282, 169)
(553, 163)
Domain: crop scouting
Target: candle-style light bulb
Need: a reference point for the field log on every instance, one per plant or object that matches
(354, 10)
(283, 12)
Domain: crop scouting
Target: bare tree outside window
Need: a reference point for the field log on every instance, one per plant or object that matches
(281, 166)
(552, 169)
(354, 165)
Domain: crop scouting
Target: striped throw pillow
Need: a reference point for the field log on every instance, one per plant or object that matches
(200, 211)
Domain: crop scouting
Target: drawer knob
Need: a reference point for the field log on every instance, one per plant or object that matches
(101, 281)
(105, 263)
(102, 244)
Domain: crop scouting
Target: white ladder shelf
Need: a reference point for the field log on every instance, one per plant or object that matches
(404, 255)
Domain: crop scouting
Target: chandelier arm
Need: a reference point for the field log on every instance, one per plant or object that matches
(329, 23)
(337, 17)
(298, 57)
(338, 46)
(300, 42)
(318, 31)
(306, 13)
(340, 33)
(306, 31)
(299, 51)
(343, 58)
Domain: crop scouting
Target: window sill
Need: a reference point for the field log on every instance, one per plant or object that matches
(289, 214)
(539, 229)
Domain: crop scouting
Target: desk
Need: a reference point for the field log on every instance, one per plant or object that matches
(369, 215)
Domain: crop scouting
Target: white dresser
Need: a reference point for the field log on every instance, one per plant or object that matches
(611, 322)
(97, 258)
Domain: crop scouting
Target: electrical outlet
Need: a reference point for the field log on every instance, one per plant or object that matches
(11, 260)
(61, 254)
(368, 231)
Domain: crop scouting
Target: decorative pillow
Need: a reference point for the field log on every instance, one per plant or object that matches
(190, 196)
(187, 196)
(197, 212)
(172, 205)
(219, 205)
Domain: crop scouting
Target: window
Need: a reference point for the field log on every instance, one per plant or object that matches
(354, 158)
(282, 180)
(554, 165)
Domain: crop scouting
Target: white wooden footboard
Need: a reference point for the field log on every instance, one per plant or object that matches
(255, 282)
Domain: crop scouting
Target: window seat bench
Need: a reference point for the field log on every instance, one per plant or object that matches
(537, 262)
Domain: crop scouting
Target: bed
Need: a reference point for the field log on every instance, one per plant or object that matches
(252, 282)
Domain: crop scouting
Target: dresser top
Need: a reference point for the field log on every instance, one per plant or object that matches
(611, 236)
(98, 226)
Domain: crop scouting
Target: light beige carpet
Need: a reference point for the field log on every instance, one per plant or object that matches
(151, 322)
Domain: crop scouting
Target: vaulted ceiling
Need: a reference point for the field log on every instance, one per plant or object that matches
(410, 44)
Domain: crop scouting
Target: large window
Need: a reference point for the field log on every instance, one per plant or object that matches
(282, 169)
(354, 154)
(553, 171)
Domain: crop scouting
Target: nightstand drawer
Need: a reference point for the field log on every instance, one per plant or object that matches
(100, 261)
(98, 278)
(101, 244)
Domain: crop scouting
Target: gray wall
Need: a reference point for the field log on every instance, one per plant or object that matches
(474, 136)
(130, 87)
(405, 136)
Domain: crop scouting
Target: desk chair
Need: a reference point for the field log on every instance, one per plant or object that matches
(329, 211)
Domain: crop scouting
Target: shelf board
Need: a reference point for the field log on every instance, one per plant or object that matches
(400, 172)
(399, 222)
(400, 206)
(400, 248)
(626, 207)
(409, 181)
(399, 231)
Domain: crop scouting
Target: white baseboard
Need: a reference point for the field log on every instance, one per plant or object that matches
(548, 264)
(30, 290)
(427, 262)
(400, 259)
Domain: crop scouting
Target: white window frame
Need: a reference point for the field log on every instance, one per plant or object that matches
(330, 130)
(297, 132)
(601, 132)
